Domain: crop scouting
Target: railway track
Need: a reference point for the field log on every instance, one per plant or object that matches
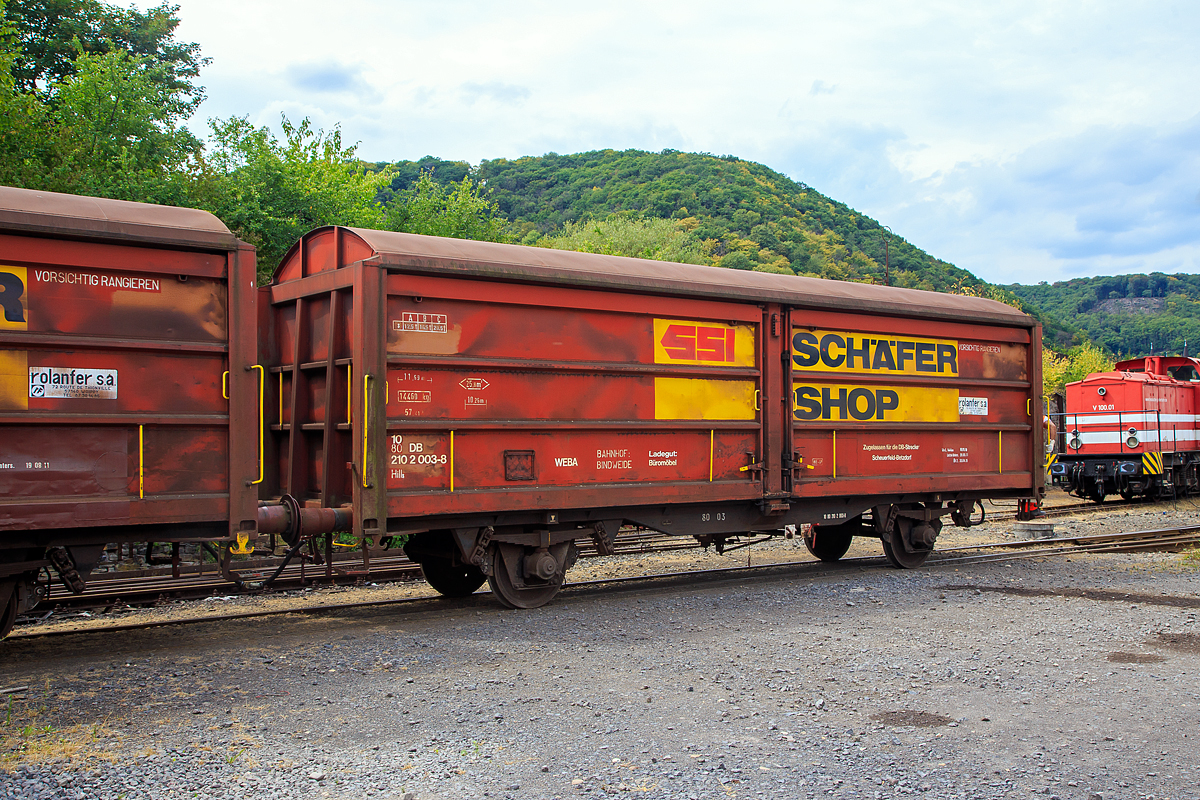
(1158, 539)
(148, 586)
(145, 587)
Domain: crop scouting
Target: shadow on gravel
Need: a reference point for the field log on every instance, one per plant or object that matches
(1135, 658)
(911, 719)
(1172, 601)
(1180, 642)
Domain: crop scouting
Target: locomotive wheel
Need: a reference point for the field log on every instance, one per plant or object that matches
(508, 568)
(828, 542)
(450, 579)
(8, 617)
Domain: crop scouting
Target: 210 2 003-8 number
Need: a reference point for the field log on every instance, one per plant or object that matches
(420, 459)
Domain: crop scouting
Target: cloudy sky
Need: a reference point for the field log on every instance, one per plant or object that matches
(1027, 140)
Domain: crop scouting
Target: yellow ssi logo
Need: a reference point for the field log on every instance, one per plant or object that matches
(14, 305)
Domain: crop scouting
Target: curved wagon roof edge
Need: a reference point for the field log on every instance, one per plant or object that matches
(441, 256)
(29, 211)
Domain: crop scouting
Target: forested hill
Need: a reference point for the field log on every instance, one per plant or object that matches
(1125, 314)
(741, 214)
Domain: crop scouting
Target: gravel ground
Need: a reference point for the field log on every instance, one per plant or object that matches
(1044, 677)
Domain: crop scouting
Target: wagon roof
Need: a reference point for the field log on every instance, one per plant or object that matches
(94, 218)
(438, 255)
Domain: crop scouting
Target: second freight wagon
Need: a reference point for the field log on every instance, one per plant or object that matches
(497, 403)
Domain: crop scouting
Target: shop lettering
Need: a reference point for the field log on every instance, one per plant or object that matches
(820, 350)
(860, 404)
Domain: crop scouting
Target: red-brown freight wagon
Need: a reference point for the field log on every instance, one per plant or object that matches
(497, 403)
(128, 385)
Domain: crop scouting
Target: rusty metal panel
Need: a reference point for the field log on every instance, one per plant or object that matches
(112, 362)
(559, 390)
(885, 411)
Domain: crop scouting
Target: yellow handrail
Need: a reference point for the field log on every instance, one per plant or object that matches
(1000, 446)
(262, 437)
(225, 384)
(142, 463)
(835, 454)
(452, 461)
(366, 427)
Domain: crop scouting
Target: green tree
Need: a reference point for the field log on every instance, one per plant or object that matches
(271, 192)
(50, 36)
(119, 132)
(1077, 364)
(658, 239)
(457, 210)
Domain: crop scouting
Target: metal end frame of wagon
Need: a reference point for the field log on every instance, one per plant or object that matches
(123, 327)
(497, 403)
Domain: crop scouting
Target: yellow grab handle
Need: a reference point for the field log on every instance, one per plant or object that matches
(366, 427)
(262, 436)
(225, 384)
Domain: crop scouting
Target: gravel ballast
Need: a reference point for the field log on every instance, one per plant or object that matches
(1044, 677)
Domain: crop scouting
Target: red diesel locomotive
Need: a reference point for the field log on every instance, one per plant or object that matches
(1131, 431)
(493, 403)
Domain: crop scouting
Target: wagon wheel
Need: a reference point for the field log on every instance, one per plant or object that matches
(8, 617)
(896, 554)
(450, 579)
(828, 542)
(513, 588)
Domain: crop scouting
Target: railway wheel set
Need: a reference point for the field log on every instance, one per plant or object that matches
(497, 405)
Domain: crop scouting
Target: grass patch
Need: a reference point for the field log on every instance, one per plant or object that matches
(27, 735)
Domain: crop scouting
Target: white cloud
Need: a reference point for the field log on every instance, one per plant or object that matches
(1020, 140)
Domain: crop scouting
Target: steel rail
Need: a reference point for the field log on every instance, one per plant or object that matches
(152, 586)
(1129, 541)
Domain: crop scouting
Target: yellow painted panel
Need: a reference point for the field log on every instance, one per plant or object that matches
(14, 298)
(696, 399)
(838, 402)
(710, 344)
(14, 380)
(873, 353)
